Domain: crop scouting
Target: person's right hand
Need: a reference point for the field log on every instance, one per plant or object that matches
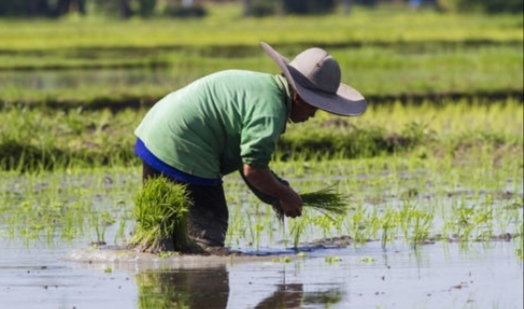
(265, 181)
(291, 203)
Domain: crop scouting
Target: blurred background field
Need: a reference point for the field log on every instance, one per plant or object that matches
(386, 48)
(439, 76)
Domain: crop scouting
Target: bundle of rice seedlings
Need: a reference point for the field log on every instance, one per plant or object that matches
(161, 210)
(324, 200)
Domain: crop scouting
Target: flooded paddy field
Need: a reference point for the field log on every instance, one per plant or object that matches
(434, 276)
(435, 216)
(419, 234)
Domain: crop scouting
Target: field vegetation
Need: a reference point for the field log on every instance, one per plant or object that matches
(78, 138)
(437, 156)
(384, 52)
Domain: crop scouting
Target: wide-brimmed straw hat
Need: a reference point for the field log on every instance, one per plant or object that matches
(316, 76)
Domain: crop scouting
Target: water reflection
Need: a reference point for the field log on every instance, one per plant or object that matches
(193, 288)
(210, 288)
(294, 296)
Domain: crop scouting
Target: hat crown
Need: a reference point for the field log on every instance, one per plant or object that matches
(319, 70)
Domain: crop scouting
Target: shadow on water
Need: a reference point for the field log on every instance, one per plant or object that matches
(209, 288)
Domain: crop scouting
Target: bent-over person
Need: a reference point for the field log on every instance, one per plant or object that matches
(231, 121)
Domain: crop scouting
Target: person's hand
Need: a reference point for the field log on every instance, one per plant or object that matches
(291, 203)
(273, 190)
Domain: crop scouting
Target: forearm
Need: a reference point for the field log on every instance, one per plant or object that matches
(264, 181)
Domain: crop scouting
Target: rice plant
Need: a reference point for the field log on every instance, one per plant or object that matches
(326, 201)
(161, 210)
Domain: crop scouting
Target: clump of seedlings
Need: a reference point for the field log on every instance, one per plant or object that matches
(161, 210)
(324, 200)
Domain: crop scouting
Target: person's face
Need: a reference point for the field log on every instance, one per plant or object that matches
(300, 110)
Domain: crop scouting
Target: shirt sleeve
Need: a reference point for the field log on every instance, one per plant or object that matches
(259, 138)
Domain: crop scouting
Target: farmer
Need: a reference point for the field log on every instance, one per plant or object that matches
(231, 121)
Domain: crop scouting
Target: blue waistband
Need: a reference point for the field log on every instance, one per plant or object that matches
(143, 153)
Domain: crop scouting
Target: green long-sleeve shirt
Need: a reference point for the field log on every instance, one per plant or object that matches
(219, 122)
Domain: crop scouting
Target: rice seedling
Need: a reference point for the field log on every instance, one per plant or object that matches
(357, 226)
(379, 72)
(387, 223)
(519, 250)
(325, 201)
(297, 229)
(48, 203)
(203, 34)
(161, 210)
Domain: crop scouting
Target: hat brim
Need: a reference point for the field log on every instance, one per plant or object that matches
(346, 102)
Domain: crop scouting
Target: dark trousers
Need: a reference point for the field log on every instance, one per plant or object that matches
(208, 216)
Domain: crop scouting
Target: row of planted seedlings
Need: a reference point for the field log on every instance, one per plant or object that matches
(90, 206)
(383, 193)
(394, 200)
(46, 139)
(395, 70)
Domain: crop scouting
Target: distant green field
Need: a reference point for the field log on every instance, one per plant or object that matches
(437, 84)
(224, 27)
(382, 53)
(374, 71)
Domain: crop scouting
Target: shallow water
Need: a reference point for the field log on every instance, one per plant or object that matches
(442, 275)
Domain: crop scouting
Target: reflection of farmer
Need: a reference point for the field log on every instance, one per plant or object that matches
(232, 120)
(286, 296)
(193, 288)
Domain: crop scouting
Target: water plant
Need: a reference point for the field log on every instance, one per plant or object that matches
(161, 210)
